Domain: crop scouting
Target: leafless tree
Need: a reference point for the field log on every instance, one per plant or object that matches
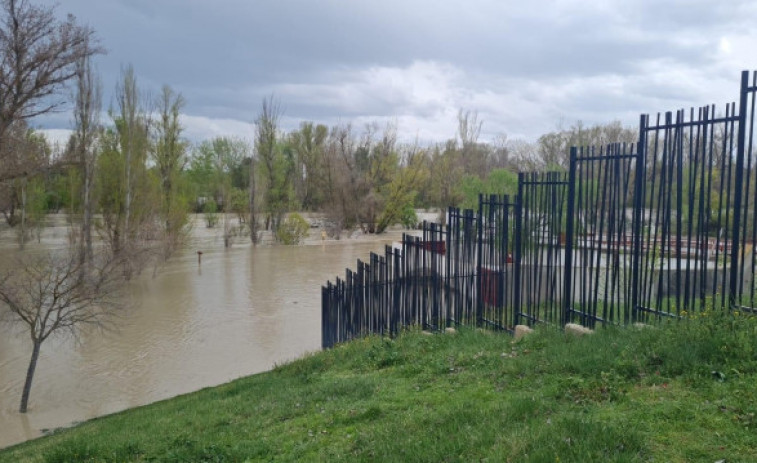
(38, 55)
(474, 154)
(57, 294)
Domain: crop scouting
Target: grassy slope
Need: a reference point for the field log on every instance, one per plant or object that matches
(620, 395)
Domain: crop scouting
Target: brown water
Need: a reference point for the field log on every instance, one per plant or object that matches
(191, 326)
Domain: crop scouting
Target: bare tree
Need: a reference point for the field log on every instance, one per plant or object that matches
(57, 294)
(38, 55)
(474, 154)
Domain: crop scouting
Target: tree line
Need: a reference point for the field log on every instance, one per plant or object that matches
(135, 178)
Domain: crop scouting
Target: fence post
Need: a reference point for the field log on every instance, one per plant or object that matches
(737, 187)
(447, 254)
(638, 215)
(567, 284)
(479, 256)
(517, 250)
(324, 319)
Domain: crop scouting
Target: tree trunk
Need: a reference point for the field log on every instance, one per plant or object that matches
(253, 212)
(127, 200)
(22, 243)
(86, 244)
(30, 376)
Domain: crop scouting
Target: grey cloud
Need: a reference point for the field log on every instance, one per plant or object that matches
(528, 58)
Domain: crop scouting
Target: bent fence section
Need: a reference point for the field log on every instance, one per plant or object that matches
(630, 233)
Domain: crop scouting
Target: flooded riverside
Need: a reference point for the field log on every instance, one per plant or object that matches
(185, 327)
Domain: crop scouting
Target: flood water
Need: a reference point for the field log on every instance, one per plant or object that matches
(242, 311)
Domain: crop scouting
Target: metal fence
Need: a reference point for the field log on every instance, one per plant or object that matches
(632, 232)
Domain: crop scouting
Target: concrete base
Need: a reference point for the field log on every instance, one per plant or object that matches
(521, 331)
(577, 330)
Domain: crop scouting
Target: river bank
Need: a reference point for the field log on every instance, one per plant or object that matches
(683, 392)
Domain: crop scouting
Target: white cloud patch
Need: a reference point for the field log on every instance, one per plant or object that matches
(425, 96)
(57, 138)
(198, 128)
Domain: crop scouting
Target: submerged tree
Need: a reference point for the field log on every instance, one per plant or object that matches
(128, 194)
(84, 140)
(169, 155)
(58, 294)
(274, 166)
(217, 168)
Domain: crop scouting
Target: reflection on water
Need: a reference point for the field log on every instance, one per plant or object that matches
(241, 312)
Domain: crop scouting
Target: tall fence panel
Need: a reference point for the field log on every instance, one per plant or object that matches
(599, 279)
(462, 265)
(743, 256)
(540, 248)
(497, 294)
(425, 273)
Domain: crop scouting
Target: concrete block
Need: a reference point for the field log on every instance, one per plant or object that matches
(577, 330)
(521, 331)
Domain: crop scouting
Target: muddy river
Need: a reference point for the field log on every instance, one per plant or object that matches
(189, 326)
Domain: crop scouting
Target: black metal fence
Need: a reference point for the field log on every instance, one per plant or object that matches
(659, 228)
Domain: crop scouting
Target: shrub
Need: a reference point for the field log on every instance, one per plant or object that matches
(211, 213)
(293, 229)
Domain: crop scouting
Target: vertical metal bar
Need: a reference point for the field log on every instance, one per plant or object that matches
(479, 256)
(447, 270)
(324, 317)
(678, 159)
(567, 297)
(753, 257)
(517, 251)
(741, 143)
(638, 214)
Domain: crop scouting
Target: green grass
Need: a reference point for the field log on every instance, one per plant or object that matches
(678, 393)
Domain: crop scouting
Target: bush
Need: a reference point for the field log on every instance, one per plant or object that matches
(293, 229)
(211, 213)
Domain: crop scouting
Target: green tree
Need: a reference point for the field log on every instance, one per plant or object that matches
(169, 156)
(498, 182)
(213, 165)
(128, 192)
(275, 162)
(401, 194)
(292, 230)
(308, 144)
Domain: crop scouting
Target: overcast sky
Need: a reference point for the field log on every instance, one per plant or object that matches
(525, 66)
